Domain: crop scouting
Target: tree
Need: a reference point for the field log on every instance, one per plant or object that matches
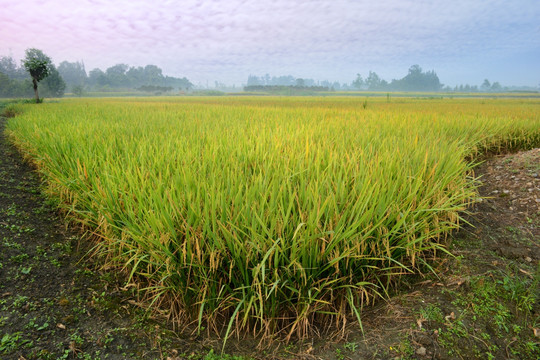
(417, 80)
(153, 75)
(38, 65)
(116, 76)
(9, 67)
(359, 82)
(78, 90)
(496, 87)
(253, 81)
(54, 83)
(73, 73)
(5, 85)
(485, 85)
(97, 78)
(373, 81)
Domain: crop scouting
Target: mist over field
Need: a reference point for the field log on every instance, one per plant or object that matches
(221, 43)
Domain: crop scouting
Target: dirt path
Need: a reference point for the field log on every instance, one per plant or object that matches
(483, 304)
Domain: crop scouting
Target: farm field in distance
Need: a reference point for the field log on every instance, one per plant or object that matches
(273, 215)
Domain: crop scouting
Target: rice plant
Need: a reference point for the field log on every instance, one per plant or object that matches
(278, 216)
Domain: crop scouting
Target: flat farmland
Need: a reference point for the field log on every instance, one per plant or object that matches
(266, 214)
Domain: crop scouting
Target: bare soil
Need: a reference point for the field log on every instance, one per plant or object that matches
(482, 302)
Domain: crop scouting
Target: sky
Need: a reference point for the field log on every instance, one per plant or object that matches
(464, 41)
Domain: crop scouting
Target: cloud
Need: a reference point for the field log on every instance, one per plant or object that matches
(227, 40)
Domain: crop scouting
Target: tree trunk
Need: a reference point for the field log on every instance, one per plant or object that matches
(35, 90)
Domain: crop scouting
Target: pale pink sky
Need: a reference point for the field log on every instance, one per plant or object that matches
(463, 40)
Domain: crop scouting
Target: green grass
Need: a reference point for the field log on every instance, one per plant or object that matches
(495, 309)
(267, 214)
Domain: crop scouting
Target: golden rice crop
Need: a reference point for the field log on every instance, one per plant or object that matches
(267, 214)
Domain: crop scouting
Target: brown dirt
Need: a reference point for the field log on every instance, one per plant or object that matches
(511, 184)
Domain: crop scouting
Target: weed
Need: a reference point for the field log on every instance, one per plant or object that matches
(12, 245)
(17, 229)
(213, 356)
(432, 313)
(55, 262)
(76, 338)
(63, 246)
(40, 251)
(47, 301)
(108, 339)
(99, 300)
(405, 348)
(84, 272)
(523, 291)
(11, 342)
(11, 210)
(19, 301)
(351, 346)
(33, 324)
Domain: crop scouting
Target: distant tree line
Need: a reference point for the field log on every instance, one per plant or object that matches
(122, 76)
(485, 87)
(415, 80)
(284, 88)
(289, 80)
(15, 81)
(154, 88)
(418, 80)
(71, 76)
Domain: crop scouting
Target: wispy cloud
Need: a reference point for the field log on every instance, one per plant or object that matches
(226, 40)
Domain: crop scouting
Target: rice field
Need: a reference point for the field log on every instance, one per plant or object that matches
(272, 215)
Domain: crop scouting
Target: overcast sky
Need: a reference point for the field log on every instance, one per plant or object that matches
(464, 41)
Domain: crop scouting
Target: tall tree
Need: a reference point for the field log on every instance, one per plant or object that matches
(5, 85)
(486, 85)
(73, 73)
(359, 82)
(116, 75)
(97, 77)
(496, 86)
(373, 81)
(38, 65)
(9, 67)
(153, 74)
(417, 80)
